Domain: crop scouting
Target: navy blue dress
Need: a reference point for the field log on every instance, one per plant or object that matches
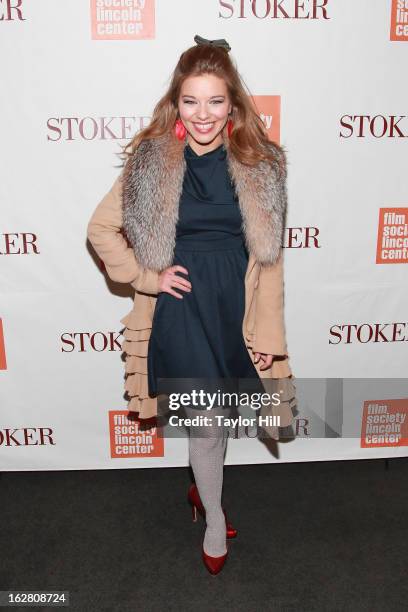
(200, 336)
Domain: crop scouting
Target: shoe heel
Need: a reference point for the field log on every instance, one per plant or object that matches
(194, 513)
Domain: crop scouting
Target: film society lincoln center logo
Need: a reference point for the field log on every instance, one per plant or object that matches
(269, 110)
(399, 20)
(392, 241)
(3, 363)
(384, 423)
(128, 440)
(122, 19)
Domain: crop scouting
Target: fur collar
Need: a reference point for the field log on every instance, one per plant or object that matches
(152, 185)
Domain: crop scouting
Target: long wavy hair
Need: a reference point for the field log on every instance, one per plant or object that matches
(248, 141)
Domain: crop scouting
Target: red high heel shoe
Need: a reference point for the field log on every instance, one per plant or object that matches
(197, 504)
(213, 564)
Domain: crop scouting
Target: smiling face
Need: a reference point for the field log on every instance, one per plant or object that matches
(203, 106)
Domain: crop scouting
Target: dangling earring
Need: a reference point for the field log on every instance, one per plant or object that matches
(180, 130)
(230, 126)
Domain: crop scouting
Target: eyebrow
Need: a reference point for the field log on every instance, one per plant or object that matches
(190, 96)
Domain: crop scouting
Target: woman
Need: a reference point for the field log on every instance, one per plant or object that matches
(201, 201)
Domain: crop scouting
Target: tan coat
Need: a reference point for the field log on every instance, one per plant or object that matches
(263, 325)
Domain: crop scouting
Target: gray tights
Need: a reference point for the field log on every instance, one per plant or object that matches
(207, 446)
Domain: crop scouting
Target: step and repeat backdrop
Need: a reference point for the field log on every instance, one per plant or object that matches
(79, 79)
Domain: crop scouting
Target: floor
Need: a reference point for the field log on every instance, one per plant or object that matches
(327, 536)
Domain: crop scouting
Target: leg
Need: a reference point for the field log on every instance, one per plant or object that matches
(207, 445)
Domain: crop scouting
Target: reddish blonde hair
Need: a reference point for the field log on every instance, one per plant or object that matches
(248, 141)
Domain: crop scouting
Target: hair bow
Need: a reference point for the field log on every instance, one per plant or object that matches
(219, 42)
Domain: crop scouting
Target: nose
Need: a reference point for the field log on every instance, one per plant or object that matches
(202, 113)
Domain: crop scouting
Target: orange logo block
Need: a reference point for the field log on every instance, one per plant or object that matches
(127, 440)
(122, 19)
(399, 20)
(385, 423)
(269, 110)
(392, 241)
(3, 363)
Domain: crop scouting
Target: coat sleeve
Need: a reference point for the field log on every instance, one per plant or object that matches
(104, 233)
(270, 336)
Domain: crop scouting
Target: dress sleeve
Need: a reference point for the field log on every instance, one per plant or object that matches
(105, 235)
(270, 336)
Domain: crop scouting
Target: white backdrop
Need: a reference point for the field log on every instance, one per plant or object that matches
(334, 83)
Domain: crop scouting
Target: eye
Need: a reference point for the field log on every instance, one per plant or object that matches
(212, 102)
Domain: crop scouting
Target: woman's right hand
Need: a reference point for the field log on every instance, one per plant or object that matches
(169, 279)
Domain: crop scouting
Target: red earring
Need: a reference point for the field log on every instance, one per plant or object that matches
(180, 129)
(230, 126)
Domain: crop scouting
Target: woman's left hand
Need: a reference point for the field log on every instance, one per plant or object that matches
(267, 359)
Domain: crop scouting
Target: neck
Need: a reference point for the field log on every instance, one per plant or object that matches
(200, 149)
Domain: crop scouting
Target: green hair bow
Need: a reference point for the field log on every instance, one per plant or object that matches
(220, 42)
